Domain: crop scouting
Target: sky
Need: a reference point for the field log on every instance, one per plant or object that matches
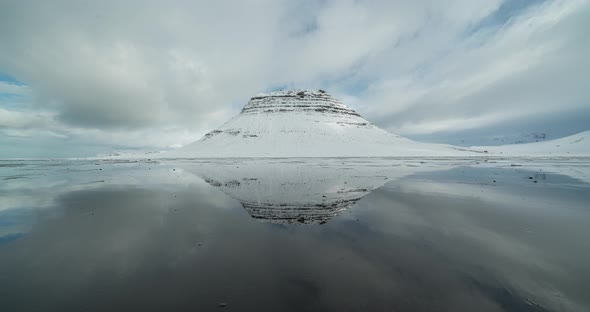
(84, 78)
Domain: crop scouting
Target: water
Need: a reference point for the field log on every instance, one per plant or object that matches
(295, 235)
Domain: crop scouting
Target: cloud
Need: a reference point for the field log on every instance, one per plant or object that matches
(169, 72)
(20, 120)
(535, 63)
(10, 88)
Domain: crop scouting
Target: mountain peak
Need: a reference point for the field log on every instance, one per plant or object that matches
(293, 92)
(299, 100)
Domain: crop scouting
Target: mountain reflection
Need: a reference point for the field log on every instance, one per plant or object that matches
(296, 192)
(292, 197)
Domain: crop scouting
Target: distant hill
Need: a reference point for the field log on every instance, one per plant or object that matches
(573, 145)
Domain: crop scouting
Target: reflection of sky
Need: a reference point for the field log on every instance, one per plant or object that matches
(10, 237)
(419, 243)
(520, 232)
(14, 224)
(32, 187)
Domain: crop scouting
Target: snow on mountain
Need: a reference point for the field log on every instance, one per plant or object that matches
(574, 145)
(304, 123)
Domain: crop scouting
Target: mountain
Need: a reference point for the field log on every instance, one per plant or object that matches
(304, 123)
(573, 145)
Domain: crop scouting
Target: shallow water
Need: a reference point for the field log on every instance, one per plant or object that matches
(295, 235)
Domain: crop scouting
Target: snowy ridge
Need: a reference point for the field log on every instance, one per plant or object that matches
(305, 123)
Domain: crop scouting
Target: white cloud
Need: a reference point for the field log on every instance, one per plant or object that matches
(24, 120)
(10, 88)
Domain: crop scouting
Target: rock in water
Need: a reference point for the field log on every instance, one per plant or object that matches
(304, 123)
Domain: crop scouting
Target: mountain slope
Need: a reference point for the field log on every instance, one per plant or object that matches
(304, 123)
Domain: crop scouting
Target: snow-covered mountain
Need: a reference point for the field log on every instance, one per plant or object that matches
(573, 145)
(304, 123)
